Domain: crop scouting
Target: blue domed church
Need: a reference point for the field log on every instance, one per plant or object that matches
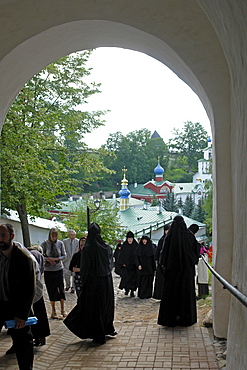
(157, 187)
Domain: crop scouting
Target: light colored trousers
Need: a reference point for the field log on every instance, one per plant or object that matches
(68, 276)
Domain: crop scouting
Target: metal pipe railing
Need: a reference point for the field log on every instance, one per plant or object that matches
(240, 296)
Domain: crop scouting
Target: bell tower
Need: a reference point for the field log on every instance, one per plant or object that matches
(124, 192)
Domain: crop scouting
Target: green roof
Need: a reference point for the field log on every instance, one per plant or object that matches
(137, 220)
(133, 202)
(160, 183)
(186, 187)
(140, 190)
(179, 188)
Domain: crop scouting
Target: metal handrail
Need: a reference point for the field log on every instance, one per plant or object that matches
(240, 296)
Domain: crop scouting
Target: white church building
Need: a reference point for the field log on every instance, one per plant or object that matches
(204, 165)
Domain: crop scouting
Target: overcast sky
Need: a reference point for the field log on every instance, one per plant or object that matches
(141, 93)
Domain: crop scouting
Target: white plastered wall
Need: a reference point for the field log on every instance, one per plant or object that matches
(230, 25)
(178, 33)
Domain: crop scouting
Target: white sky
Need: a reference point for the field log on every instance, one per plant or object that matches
(140, 92)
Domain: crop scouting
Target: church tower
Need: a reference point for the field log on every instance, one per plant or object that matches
(124, 193)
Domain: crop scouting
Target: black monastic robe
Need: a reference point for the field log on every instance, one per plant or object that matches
(129, 271)
(93, 316)
(144, 257)
(178, 258)
(159, 278)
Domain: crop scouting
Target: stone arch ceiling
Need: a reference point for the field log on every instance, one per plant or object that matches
(34, 34)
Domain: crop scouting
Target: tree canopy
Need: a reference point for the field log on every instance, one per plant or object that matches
(189, 143)
(137, 152)
(170, 203)
(198, 212)
(42, 148)
(188, 206)
(106, 216)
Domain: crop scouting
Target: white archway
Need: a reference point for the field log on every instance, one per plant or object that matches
(195, 66)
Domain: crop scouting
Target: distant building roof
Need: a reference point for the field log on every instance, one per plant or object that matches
(178, 188)
(139, 220)
(133, 202)
(36, 221)
(155, 135)
(187, 187)
(140, 190)
(159, 183)
(66, 206)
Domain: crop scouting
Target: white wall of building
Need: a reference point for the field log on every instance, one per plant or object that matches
(38, 228)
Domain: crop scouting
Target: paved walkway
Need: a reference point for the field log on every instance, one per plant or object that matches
(140, 344)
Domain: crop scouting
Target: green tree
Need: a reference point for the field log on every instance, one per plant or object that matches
(189, 142)
(137, 152)
(180, 203)
(189, 205)
(106, 216)
(155, 201)
(177, 169)
(170, 203)
(198, 213)
(208, 205)
(41, 144)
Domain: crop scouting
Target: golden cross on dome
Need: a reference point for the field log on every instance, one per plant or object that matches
(124, 171)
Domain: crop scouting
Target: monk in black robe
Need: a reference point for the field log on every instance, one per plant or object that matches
(93, 316)
(145, 262)
(178, 258)
(159, 278)
(126, 260)
(116, 253)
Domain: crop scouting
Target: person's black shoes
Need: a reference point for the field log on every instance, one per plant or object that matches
(113, 334)
(42, 341)
(10, 350)
(39, 342)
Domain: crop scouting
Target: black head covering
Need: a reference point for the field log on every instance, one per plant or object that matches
(179, 250)
(127, 253)
(166, 227)
(82, 238)
(129, 235)
(145, 250)
(194, 228)
(96, 256)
